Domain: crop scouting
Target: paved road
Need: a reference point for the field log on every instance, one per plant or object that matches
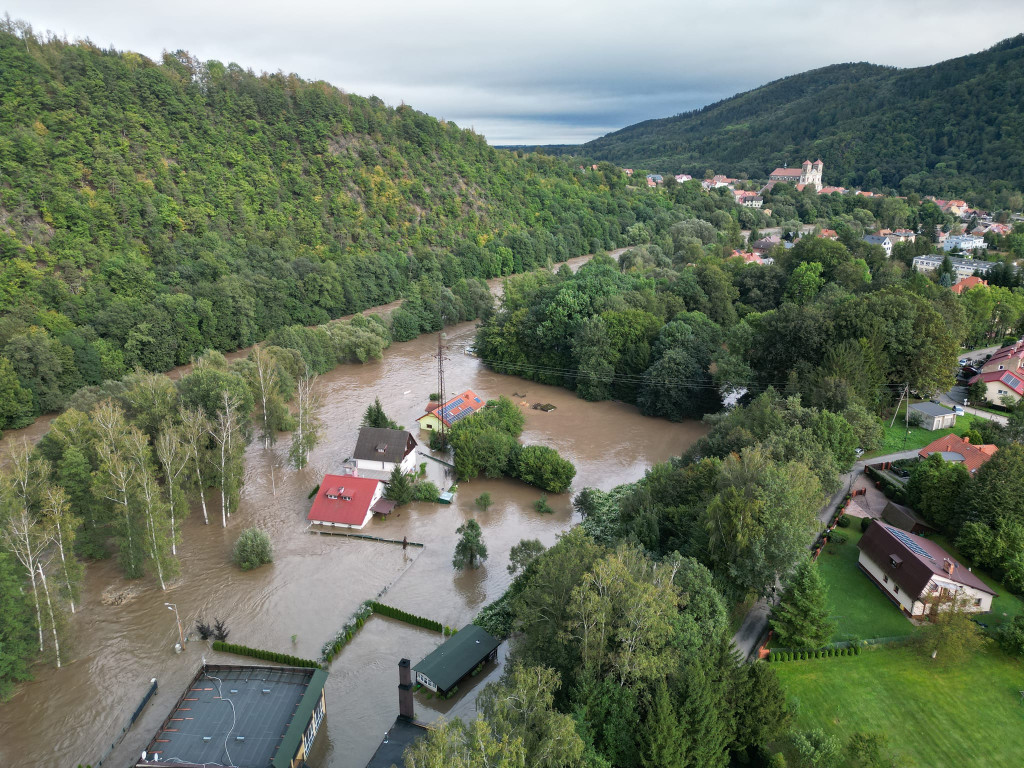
(958, 394)
(755, 623)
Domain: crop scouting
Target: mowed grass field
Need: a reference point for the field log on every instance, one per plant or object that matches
(896, 438)
(968, 716)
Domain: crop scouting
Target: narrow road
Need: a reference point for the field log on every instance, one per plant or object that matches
(755, 623)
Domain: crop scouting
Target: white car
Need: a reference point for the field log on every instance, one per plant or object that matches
(958, 410)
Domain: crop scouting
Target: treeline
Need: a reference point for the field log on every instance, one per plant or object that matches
(947, 129)
(152, 210)
(487, 442)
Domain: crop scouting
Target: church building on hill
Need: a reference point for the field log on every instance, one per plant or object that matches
(808, 173)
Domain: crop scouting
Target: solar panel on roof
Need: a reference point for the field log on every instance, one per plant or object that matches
(460, 416)
(1012, 380)
(909, 543)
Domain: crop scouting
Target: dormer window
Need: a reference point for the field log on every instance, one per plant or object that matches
(895, 561)
(382, 448)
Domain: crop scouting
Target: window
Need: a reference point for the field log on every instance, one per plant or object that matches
(977, 601)
(885, 578)
(895, 589)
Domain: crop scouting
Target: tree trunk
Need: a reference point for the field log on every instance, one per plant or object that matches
(202, 494)
(39, 614)
(64, 565)
(49, 607)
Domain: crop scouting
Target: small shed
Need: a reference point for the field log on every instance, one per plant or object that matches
(456, 658)
(905, 519)
(934, 416)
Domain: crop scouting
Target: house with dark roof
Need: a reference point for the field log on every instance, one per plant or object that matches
(348, 501)
(405, 730)
(452, 412)
(934, 416)
(917, 574)
(272, 721)
(960, 450)
(905, 519)
(883, 240)
(455, 658)
(385, 449)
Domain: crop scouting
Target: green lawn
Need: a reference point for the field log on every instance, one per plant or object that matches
(1005, 606)
(856, 604)
(893, 437)
(964, 716)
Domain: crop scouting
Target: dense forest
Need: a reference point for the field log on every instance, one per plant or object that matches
(949, 129)
(151, 210)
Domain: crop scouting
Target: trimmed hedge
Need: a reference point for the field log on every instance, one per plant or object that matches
(408, 618)
(258, 653)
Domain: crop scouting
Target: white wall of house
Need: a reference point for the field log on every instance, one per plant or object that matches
(408, 464)
(979, 602)
(377, 493)
(907, 602)
(997, 390)
(425, 681)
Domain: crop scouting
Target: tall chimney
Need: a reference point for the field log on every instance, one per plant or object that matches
(405, 703)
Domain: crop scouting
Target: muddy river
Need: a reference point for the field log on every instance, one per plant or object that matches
(316, 582)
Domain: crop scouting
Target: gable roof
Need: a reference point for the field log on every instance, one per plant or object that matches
(351, 500)
(966, 283)
(903, 517)
(950, 446)
(912, 561)
(377, 444)
(457, 408)
(787, 172)
(457, 656)
(1009, 378)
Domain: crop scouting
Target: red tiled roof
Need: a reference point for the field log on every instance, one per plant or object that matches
(1005, 377)
(974, 455)
(794, 172)
(352, 498)
(457, 408)
(966, 284)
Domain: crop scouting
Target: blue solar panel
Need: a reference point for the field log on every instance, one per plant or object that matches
(1012, 380)
(909, 543)
(478, 399)
(460, 416)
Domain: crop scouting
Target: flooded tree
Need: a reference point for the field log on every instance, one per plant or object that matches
(307, 423)
(158, 529)
(265, 378)
(470, 549)
(227, 432)
(64, 528)
(195, 430)
(173, 454)
(114, 481)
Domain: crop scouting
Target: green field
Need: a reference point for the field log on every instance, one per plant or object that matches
(856, 604)
(893, 438)
(967, 716)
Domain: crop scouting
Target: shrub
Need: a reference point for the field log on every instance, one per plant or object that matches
(483, 501)
(1011, 636)
(252, 549)
(839, 538)
(771, 656)
(843, 521)
(425, 491)
(542, 506)
(542, 466)
(865, 522)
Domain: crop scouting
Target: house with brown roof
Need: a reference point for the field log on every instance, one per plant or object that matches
(917, 574)
(960, 450)
(905, 519)
(384, 449)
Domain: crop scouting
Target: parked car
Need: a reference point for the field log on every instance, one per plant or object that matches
(958, 410)
(859, 452)
(963, 362)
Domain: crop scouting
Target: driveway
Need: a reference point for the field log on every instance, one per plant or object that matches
(958, 396)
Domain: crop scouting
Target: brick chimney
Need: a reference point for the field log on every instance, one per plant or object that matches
(405, 703)
(948, 566)
(966, 439)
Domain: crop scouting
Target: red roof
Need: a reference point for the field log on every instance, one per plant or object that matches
(457, 408)
(1009, 378)
(966, 284)
(791, 172)
(974, 455)
(343, 499)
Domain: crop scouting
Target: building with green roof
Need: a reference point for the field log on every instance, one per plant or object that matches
(456, 658)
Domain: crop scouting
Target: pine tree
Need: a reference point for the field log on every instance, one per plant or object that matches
(16, 630)
(664, 741)
(801, 619)
(471, 547)
(375, 417)
(399, 488)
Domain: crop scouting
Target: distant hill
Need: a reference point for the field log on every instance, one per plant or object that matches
(151, 210)
(952, 127)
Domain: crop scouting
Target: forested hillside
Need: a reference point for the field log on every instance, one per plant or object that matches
(152, 210)
(953, 128)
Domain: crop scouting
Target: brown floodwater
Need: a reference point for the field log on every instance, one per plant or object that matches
(70, 715)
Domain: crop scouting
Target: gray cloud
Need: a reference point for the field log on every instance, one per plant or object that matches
(541, 72)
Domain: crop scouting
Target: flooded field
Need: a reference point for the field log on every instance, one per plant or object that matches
(70, 715)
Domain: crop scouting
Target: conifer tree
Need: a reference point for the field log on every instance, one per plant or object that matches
(398, 488)
(16, 635)
(471, 548)
(375, 417)
(801, 619)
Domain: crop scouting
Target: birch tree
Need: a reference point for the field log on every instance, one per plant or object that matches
(41, 568)
(307, 423)
(195, 429)
(64, 527)
(265, 382)
(226, 431)
(114, 481)
(173, 455)
(154, 510)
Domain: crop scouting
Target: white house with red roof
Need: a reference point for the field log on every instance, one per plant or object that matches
(348, 501)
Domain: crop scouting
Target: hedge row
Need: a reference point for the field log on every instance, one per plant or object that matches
(822, 653)
(257, 653)
(333, 647)
(408, 618)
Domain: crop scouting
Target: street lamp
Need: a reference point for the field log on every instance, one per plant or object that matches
(181, 635)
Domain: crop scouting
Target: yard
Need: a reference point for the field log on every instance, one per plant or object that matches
(858, 607)
(963, 716)
(896, 438)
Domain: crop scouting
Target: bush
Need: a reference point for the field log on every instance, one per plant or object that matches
(258, 653)
(425, 491)
(838, 538)
(542, 466)
(252, 549)
(400, 615)
(865, 523)
(843, 521)
(1011, 636)
(542, 506)
(483, 501)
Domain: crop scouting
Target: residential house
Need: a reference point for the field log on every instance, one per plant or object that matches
(903, 236)
(917, 574)
(832, 191)
(961, 267)
(1008, 358)
(1003, 374)
(455, 658)
(934, 416)
(655, 180)
(718, 181)
(807, 174)
(681, 177)
(966, 283)
(828, 234)
(960, 450)
(753, 258)
(882, 240)
(348, 501)
(453, 411)
(628, 171)
(385, 449)
(765, 244)
(966, 243)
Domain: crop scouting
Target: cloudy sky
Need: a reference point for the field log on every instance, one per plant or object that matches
(528, 72)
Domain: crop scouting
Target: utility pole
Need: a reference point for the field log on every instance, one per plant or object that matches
(906, 432)
(440, 385)
(181, 635)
